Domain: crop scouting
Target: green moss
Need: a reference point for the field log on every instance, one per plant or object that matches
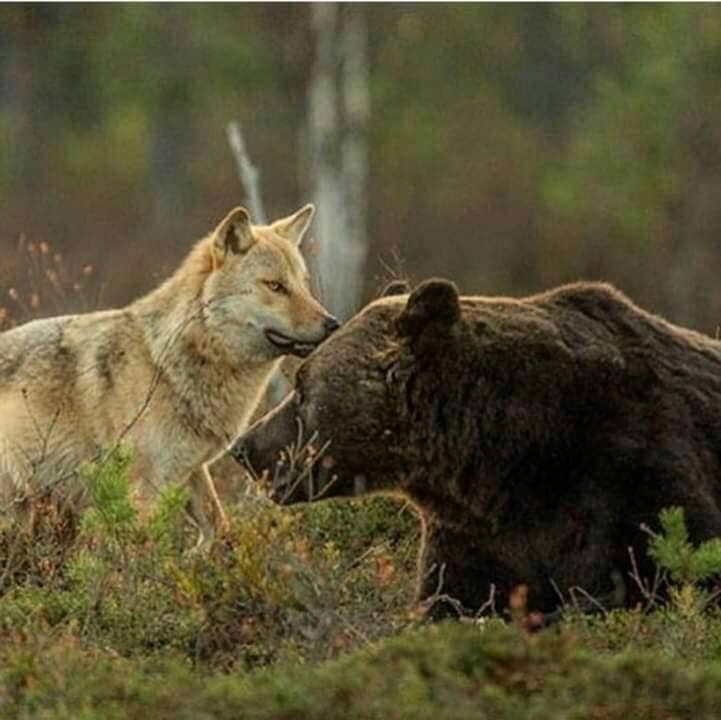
(450, 671)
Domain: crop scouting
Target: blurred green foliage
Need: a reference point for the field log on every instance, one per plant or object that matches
(512, 147)
(446, 672)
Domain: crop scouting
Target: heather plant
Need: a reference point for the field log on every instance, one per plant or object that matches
(309, 611)
(41, 283)
(277, 586)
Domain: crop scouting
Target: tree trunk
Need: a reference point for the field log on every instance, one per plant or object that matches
(354, 152)
(338, 111)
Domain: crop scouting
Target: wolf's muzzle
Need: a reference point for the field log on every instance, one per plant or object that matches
(298, 346)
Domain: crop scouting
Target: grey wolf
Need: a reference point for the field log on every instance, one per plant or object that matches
(174, 376)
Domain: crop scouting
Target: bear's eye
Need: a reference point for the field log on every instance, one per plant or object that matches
(276, 286)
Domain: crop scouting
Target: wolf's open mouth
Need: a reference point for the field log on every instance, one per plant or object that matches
(289, 344)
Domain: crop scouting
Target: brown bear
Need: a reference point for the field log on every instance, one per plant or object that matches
(535, 436)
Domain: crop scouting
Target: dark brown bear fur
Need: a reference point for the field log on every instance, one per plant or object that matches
(535, 436)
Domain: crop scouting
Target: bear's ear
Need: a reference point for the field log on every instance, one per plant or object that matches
(395, 287)
(233, 234)
(433, 302)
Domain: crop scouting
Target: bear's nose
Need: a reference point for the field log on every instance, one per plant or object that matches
(240, 451)
(330, 324)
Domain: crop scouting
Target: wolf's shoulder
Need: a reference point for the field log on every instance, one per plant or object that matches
(21, 345)
(24, 338)
(52, 340)
(55, 329)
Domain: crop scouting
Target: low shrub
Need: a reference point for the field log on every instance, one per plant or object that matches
(278, 585)
(308, 612)
(447, 672)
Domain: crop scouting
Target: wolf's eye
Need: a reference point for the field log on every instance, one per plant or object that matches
(276, 287)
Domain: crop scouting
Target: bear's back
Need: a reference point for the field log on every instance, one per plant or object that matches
(588, 312)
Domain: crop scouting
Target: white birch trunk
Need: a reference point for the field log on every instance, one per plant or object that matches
(354, 152)
(338, 110)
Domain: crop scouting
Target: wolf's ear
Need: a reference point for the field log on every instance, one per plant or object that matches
(395, 287)
(294, 226)
(433, 302)
(233, 234)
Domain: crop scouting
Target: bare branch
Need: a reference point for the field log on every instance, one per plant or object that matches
(649, 590)
(247, 172)
(438, 597)
(592, 601)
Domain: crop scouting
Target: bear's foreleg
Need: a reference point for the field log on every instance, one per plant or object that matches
(456, 578)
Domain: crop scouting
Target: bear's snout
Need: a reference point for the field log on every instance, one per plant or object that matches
(240, 451)
(264, 449)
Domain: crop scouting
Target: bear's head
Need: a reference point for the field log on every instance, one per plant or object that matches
(366, 403)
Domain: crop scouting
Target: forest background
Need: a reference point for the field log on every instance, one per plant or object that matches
(509, 147)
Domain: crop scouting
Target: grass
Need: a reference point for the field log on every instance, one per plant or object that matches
(308, 613)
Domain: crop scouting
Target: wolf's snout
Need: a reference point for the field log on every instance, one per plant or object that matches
(302, 346)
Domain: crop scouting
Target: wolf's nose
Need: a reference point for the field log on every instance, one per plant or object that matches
(330, 324)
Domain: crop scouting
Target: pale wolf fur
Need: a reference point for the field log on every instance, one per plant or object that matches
(175, 375)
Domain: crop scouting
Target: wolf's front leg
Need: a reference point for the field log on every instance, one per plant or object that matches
(202, 488)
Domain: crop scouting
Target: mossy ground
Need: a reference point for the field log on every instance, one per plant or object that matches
(309, 613)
